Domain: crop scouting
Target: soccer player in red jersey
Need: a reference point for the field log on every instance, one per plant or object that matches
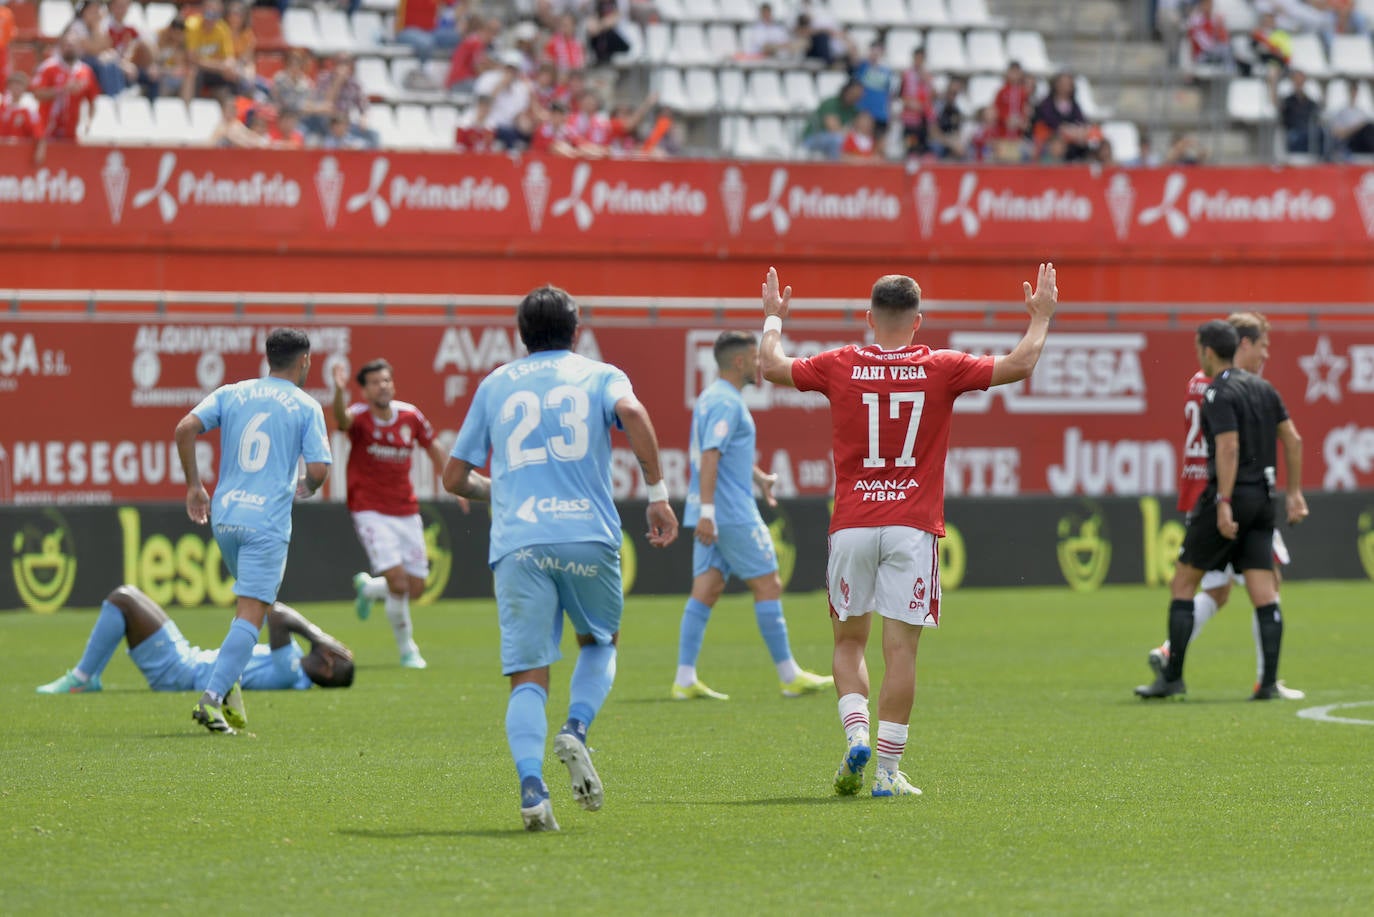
(382, 432)
(891, 403)
(1215, 588)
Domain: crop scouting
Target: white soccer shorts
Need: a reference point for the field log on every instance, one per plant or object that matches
(1215, 579)
(892, 569)
(392, 541)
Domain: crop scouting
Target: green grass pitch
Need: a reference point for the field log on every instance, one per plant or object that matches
(1048, 787)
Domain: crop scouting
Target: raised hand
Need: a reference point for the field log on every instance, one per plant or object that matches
(1041, 301)
(775, 302)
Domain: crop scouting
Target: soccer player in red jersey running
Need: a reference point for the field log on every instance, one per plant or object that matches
(1215, 588)
(890, 408)
(382, 432)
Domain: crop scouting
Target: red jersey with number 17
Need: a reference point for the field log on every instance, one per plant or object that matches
(379, 460)
(1192, 477)
(890, 412)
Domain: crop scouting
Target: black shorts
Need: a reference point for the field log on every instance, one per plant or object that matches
(1252, 548)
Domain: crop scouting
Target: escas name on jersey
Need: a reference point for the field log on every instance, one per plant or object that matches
(895, 373)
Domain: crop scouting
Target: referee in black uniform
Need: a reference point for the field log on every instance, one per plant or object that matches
(1233, 522)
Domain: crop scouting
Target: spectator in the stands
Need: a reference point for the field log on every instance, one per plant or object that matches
(1012, 103)
(509, 90)
(948, 139)
(19, 119)
(1344, 19)
(105, 62)
(124, 38)
(1169, 17)
(603, 33)
(1294, 15)
(525, 39)
(556, 136)
(1352, 127)
(860, 144)
(877, 78)
(1185, 150)
(427, 26)
(917, 95)
(1059, 123)
(286, 133)
(168, 66)
(292, 87)
(1207, 35)
(210, 49)
(1272, 46)
(472, 135)
(766, 37)
(824, 133)
(338, 92)
(473, 57)
(339, 135)
(613, 133)
(1301, 117)
(232, 133)
(817, 34)
(563, 48)
(61, 85)
(245, 67)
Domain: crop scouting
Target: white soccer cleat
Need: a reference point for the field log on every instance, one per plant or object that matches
(1288, 693)
(586, 783)
(894, 783)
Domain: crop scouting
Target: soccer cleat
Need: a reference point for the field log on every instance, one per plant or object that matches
(586, 785)
(894, 783)
(1158, 659)
(1161, 687)
(413, 660)
(850, 776)
(696, 690)
(235, 713)
(212, 718)
(535, 806)
(806, 683)
(70, 684)
(361, 603)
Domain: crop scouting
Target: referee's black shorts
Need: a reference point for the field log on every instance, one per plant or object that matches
(1253, 547)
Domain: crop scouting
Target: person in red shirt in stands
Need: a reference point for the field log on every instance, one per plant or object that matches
(19, 118)
(473, 57)
(427, 26)
(859, 144)
(285, 132)
(555, 134)
(891, 407)
(61, 84)
(918, 104)
(1013, 103)
(563, 49)
(472, 135)
(1208, 37)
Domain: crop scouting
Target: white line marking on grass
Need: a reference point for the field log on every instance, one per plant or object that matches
(1323, 714)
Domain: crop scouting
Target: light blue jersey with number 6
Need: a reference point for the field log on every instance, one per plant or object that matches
(266, 425)
(545, 420)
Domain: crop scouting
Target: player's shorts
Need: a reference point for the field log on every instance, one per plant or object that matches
(256, 560)
(536, 585)
(1215, 579)
(1253, 547)
(891, 569)
(393, 541)
(168, 661)
(744, 550)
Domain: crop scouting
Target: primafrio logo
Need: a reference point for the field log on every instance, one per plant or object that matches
(174, 190)
(786, 203)
(975, 207)
(1180, 210)
(588, 198)
(385, 193)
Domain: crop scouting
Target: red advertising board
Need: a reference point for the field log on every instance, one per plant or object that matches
(89, 406)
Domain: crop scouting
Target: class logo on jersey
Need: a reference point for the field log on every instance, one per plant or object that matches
(1084, 549)
(535, 509)
(44, 562)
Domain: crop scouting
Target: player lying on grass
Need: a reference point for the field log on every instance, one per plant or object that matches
(171, 664)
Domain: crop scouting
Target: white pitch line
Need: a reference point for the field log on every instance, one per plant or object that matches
(1323, 714)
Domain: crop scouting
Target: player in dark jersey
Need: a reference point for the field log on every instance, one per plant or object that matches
(1233, 522)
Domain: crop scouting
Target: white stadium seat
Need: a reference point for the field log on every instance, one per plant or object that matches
(740, 12)
(369, 32)
(889, 12)
(413, 128)
(800, 89)
(336, 35)
(700, 10)
(702, 94)
(829, 83)
(972, 14)
(658, 40)
(850, 12)
(173, 120)
(773, 138)
(945, 52)
(53, 17)
(103, 126)
(1124, 137)
(982, 90)
(443, 122)
(930, 12)
(763, 93)
(1309, 56)
(723, 41)
(1247, 100)
(205, 117)
(672, 91)
(300, 29)
(136, 121)
(986, 51)
(157, 16)
(689, 45)
(900, 44)
(375, 78)
(1352, 55)
(1029, 49)
(730, 85)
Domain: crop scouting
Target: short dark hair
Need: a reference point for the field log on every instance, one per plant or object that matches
(1251, 326)
(1220, 336)
(547, 318)
(284, 347)
(730, 343)
(896, 293)
(340, 668)
(371, 366)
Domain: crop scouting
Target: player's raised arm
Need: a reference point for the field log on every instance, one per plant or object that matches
(197, 498)
(775, 365)
(1040, 303)
(639, 429)
(341, 418)
(1294, 501)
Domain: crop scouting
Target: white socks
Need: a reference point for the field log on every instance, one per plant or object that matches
(1204, 606)
(854, 716)
(686, 676)
(398, 613)
(891, 744)
(376, 588)
(788, 669)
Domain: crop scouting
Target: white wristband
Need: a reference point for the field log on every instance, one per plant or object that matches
(772, 323)
(708, 511)
(658, 493)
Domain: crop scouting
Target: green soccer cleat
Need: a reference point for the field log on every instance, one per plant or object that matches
(697, 690)
(850, 776)
(212, 718)
(70, 684)
(806, 683)
(361, 603)
(235, 713)
(894, 783)
(412, 659)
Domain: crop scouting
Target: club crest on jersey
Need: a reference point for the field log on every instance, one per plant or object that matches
(895, 373)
